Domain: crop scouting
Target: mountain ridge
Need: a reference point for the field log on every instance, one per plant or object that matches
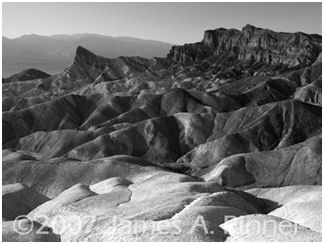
(230, 125)
(52, 54)
(251, 44)
(78, 35)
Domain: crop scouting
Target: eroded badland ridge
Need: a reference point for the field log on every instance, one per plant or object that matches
(230, 125)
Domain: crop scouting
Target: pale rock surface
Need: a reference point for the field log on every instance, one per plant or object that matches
(257, 227)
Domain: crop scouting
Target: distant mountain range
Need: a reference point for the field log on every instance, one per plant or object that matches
(53, 53)
(228, 126)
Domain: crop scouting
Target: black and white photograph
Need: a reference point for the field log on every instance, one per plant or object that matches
(161, 121)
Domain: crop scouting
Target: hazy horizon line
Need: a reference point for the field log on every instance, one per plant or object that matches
(88, 33)
(139, 38)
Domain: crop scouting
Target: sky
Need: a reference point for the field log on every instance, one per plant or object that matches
(176, 23)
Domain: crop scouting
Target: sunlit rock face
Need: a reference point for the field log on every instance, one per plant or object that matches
(229, 126)
(252, 44)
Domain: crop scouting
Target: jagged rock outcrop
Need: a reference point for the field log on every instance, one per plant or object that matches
(166, 140)
(311, 93)
(89, 67)
(252, 44)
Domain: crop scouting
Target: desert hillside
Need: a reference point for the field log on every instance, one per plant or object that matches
(228, 126)
(52, 54)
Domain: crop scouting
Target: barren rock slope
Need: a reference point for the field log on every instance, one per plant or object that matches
(220, 134)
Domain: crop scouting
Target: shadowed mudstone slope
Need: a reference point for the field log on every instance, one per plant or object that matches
(294, 165)
(18, 199)
(254, 129)
(265, 127)
(166, 140)
(9, 233)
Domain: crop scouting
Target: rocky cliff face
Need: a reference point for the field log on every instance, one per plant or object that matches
(88, 66)
(253, 45)
(229, 126)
